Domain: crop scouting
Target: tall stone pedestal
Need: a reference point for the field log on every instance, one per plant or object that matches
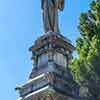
(50, 78)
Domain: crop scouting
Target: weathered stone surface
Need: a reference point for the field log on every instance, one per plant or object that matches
(50, 96)
(49, 79)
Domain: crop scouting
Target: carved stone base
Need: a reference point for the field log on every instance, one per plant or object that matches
(50, 78)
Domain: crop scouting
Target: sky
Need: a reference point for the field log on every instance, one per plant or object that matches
(20, 25)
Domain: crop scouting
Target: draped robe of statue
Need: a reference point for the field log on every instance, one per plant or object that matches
(50, 14)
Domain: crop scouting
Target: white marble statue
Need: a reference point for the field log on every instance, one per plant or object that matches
(50, 14)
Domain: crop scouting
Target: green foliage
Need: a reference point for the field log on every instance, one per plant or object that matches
(86, 68)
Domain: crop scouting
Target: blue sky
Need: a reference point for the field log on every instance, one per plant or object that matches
(20, 25)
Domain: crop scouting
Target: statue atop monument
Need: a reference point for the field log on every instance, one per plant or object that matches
(50, 10)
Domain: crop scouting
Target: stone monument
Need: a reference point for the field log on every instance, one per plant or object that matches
(50, 14)
(50, 78)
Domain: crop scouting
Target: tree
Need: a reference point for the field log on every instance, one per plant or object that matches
(86, 67)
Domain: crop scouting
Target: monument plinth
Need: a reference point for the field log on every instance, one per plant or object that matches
(50, 78)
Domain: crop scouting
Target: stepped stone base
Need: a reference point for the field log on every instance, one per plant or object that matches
(50, 78)
(48, 95)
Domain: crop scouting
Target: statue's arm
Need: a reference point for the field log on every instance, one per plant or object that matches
(61, 4)
(42, 3)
